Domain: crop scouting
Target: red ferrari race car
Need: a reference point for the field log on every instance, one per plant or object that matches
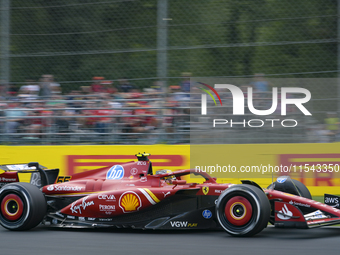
(129, 195)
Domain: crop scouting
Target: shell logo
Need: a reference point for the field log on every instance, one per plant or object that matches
(130, 202)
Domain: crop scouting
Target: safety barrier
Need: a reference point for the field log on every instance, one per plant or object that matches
(74, 159)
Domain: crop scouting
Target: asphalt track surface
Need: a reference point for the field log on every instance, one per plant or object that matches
(50, 241)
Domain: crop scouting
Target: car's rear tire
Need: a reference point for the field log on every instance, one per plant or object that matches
(23, 206)
(243, 210)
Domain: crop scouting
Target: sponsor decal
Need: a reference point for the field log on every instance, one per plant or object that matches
(64, 188)
(284, 214)
(116, 172)
(110, 208)
(70, 217)
(143, 179)
(207, 214)
(35, 179)
(298, 204)
(91, 219)
(130, 202)
(4, 179)
(81, 218)
(141, 163)
(332, 200)
(62, 179)
(134, 171)
(281, 179)
(218, 191)
(81, 207)
(67, 188)
(167, 193)
(182, 224)
(107, 197)
(205, 190)
(105, 219)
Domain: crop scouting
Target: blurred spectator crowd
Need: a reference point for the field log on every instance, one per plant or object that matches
(104, 112)
(120, 113)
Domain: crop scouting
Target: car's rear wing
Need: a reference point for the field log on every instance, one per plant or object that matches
(32, 172)
(19, 167)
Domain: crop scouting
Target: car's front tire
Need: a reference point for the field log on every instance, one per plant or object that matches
(243, 210)
(23, 206)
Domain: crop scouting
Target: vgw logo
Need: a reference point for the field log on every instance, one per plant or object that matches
(182, 224)
(239, 104)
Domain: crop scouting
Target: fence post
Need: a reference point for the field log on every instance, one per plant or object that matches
(162, 38)
(4, 44)
(338, 56)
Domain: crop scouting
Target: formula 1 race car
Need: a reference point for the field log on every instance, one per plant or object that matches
(130, 195)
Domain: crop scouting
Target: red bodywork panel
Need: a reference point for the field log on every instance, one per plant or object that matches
(288, 203)
(286, 211)
(124, 188)
(120, 189)
(301, 201)
(9, 177)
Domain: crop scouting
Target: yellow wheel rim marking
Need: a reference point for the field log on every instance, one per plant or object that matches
(11, 214)
(232, 207)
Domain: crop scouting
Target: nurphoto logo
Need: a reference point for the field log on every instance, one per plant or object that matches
(238, 99)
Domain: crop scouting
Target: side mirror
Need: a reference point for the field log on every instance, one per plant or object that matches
(35, 164)
(179, 182)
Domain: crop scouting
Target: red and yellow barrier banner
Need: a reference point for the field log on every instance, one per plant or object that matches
(300, 158)
(74, 159)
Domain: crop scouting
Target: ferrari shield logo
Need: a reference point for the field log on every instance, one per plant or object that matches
(205, 190)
